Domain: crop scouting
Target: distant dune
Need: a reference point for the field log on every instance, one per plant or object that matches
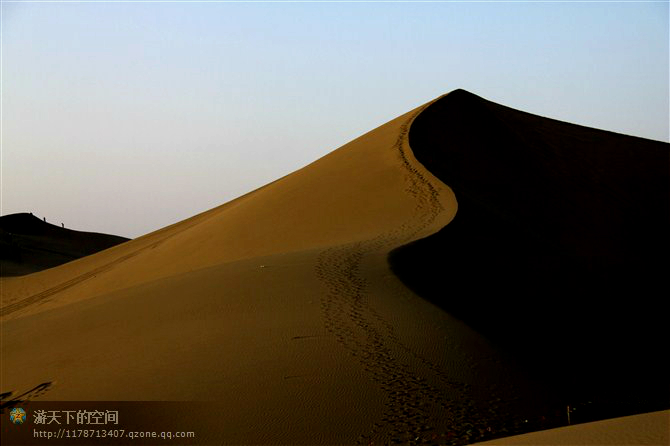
(29, 244)
(277, 317)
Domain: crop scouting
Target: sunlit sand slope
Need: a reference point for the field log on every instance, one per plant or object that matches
(648, 429)
(279, 304)
(369, 187)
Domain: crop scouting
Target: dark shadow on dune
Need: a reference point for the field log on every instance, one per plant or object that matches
(28, 244)
(558, 252)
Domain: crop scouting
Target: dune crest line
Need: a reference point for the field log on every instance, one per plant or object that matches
(413, 403)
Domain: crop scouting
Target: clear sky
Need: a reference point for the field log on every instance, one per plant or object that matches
(126, 117)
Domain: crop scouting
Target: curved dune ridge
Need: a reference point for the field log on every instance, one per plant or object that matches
(281, 311)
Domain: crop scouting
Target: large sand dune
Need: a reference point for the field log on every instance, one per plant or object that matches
(280, 308)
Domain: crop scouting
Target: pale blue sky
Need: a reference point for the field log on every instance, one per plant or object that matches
(126, 117)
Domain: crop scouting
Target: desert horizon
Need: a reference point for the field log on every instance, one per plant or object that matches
(465, 272)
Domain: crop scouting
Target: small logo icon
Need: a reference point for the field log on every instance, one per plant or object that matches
(17, 415)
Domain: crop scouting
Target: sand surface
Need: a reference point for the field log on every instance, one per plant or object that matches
(649, 429)
(279, 308)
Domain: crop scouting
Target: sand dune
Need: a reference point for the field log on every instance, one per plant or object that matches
(30, 244)
(649, 429)
(279, 309)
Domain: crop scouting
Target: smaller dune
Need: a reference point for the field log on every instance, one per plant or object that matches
(649, 429)
(30, 244)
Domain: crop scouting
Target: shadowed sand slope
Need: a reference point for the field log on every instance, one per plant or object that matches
(30, 244)
(559, 250)
(280, 309)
